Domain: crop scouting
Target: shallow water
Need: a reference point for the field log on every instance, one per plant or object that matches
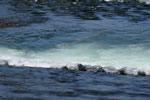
(74, 36)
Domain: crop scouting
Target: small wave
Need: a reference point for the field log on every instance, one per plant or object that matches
(132, 60)
(76, 66)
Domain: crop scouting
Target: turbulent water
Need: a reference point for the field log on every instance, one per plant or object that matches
(110, 36)
(67, 33)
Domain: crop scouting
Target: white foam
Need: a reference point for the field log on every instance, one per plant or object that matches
(134, 58)
(141, 1)
(145, 1)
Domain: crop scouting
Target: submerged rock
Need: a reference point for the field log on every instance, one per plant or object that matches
(5, 22)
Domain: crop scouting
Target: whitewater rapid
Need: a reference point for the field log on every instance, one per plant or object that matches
(130, 58)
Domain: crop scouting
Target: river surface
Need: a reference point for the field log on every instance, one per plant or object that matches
(74, 49)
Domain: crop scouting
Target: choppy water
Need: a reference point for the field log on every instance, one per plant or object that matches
(24, 83)
(88, 35)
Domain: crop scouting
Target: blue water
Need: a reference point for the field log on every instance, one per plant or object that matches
(25, 83)
(96, 42)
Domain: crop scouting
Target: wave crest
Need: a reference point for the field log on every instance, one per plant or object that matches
(79, 67)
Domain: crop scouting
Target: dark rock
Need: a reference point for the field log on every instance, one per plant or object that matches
(81, 67)
(122, 71)
(64, 67)
(141, 73)
(100, 70)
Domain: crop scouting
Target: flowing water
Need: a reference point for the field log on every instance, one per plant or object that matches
(90, 42)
